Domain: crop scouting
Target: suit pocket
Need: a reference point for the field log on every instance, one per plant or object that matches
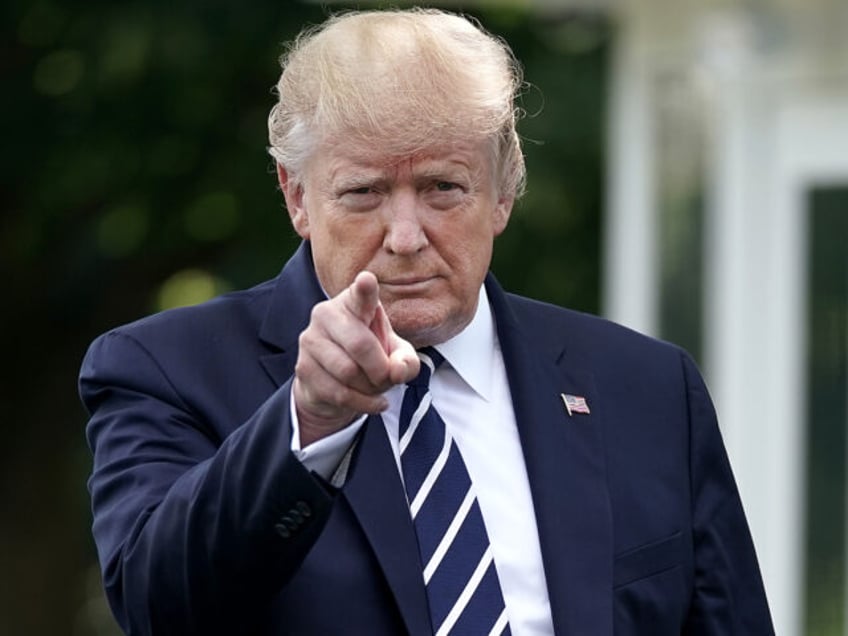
(647, 560)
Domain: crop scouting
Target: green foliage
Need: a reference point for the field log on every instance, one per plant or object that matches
(135, 176)
(551, 249)
(825, 584)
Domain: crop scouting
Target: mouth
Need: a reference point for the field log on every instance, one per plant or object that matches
(406, 285)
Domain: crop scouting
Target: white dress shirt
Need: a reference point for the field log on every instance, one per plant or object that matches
(471, 393)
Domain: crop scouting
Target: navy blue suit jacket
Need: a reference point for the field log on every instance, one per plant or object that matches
(205, 523)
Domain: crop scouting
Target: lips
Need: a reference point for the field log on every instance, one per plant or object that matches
(407, 284)
(410, 280)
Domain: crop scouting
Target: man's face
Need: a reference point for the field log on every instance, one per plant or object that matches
(424, 225)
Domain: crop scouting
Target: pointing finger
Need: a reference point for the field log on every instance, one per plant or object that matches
(363, 297)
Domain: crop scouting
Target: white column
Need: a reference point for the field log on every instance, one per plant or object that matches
(630, 286)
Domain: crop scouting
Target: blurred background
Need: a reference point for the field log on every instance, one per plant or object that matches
(688, 176)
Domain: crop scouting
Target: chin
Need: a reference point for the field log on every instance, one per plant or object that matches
(424, 323)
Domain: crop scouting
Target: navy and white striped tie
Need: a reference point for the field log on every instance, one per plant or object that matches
(462, 584)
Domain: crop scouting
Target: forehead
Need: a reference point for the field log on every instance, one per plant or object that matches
(336, 157)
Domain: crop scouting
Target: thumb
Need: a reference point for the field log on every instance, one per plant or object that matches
(381, 327)
(404, 363)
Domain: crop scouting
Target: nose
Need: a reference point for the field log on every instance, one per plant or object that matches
(404, 230)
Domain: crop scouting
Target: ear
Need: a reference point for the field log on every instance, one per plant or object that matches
(502, 212)
(293, 192)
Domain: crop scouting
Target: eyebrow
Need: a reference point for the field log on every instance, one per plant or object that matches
(353, 173)
(440, 171)
(357, 180)
(358, 175)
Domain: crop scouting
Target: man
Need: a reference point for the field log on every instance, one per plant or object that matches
(259, 463)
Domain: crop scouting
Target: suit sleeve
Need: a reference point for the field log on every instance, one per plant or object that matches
(728, 595)
(195, 535)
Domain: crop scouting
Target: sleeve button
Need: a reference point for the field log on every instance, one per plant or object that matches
(303, 508)
(282, 530)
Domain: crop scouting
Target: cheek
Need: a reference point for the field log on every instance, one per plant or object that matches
(341, 251)
(356, 240)
(471, 255)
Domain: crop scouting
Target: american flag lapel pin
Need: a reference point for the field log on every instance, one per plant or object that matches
(574, 404)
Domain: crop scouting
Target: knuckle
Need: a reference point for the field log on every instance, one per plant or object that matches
(310, 338)
(348, 370)
(360, 347)
(304, 341)
(301, 367)
(320, 311)
(344, 397)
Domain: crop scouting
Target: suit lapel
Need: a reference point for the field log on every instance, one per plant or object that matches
(295, 293)
(373, 488)
(376, 495)
(567, 472)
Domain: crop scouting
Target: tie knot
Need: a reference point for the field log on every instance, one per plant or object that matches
(430, 361)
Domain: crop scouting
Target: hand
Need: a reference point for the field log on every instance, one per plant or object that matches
(349, 355)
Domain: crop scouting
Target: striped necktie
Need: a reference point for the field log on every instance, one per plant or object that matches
(462, 584)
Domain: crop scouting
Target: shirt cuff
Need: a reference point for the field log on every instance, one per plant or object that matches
(324, 456)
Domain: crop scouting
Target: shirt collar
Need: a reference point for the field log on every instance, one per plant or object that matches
(471, 352)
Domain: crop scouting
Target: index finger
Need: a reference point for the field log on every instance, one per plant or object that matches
(363, 297)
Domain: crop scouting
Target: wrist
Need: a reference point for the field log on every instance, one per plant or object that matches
(313, 427)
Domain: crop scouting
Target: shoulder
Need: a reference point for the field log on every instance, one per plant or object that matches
(232, 309)
(580, 330)
(204, 327)
(608, 349)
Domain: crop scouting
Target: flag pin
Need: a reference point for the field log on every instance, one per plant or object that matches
(574, 404)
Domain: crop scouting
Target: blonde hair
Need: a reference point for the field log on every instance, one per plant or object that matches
(402, 79)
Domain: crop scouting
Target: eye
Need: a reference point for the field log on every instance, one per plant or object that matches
(442, 194)
(360, 198)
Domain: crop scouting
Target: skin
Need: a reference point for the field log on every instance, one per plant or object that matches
(402, 248)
